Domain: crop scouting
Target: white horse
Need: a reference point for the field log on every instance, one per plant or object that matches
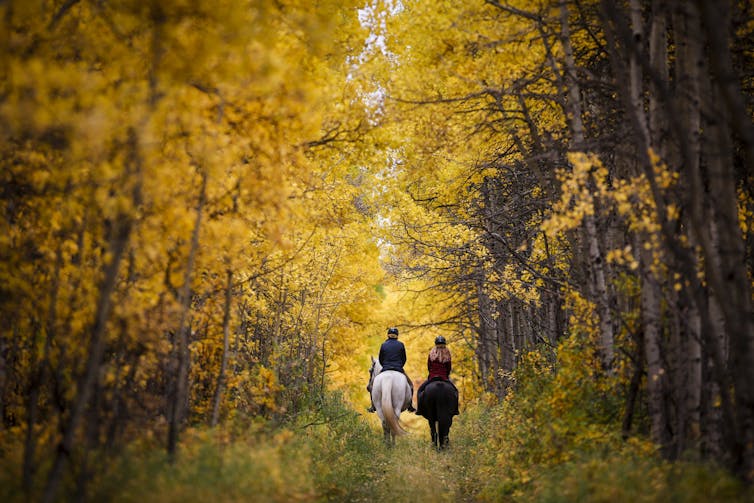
(391, 395)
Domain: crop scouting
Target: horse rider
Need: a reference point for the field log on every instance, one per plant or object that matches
(393, 357)
(439, 364)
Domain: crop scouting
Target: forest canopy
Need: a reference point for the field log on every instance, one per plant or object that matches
(211, 212)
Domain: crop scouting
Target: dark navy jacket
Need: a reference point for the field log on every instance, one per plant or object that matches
(392, 355)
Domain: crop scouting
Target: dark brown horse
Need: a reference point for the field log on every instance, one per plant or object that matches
(438, 403)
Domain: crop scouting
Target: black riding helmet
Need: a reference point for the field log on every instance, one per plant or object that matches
(392, 331)
(440, 340)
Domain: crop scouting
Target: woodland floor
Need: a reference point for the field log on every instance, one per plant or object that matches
(337, 454)
(414, 471)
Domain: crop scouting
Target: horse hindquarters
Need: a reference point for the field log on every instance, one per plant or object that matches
(390, 424)
(440, 423)
(443, 404)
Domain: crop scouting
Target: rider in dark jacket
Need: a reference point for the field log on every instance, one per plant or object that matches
(393, 357)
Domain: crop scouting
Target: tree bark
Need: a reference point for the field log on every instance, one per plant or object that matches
(732, 291)
(180, 382)
(486, 327)
(657, 374)
(119, 241)
(220, 386)
(690, 64)
(634, 387)
(650, 133)
(597, 263)
(716, 22)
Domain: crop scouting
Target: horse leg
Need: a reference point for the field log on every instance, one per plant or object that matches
(432, 430)
(387, 434)
(444, 430)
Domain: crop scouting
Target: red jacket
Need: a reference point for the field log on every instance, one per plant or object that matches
(438, 369)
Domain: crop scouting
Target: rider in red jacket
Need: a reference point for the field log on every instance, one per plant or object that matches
(439, 365)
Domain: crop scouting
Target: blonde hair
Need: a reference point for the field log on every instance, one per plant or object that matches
(440, 353)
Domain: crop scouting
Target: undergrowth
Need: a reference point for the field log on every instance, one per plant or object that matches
(557, 438)
(520, 450)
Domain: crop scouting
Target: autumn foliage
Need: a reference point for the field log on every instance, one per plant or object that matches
(179, 243)
(212, 210)
(592, 169)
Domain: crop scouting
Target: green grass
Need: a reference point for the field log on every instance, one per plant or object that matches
(335, 454)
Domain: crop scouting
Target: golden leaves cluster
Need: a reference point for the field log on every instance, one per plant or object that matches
(586, 183)
(172, 115)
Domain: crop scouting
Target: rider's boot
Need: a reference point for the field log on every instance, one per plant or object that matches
(411, 403)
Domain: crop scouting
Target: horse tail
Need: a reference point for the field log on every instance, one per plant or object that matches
(387, 408)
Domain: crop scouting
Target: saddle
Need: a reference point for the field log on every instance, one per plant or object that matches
(433, 379)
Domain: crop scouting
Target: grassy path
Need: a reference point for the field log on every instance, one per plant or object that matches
(414, 471)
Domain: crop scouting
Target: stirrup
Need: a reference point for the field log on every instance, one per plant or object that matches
(371, 408)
